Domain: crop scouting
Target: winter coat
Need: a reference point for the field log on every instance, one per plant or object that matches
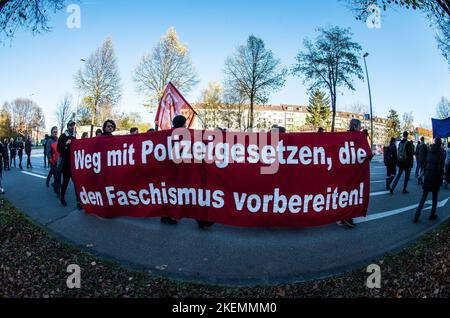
(64, 151)
(28, 147)
(391, 155)
(50, 150)
(434, 169)
(423, 151)
(409, 155)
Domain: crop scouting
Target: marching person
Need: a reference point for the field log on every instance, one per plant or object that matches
(2, 153)
(109, 126)
(28, 152)
(355, 125)
(177, 122)
(390, 161)
(53, 156)
(434, 171)
(85, 135)
(417, 159)
(405, 162)
(6, 154)
(20, 147)
(63, 149)
(134, 131)
(423, 152)
(447, 166)
(45, 151)
(12, 152)
(98, 132)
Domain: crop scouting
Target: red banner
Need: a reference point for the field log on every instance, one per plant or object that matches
(173, 104)
(239, 179)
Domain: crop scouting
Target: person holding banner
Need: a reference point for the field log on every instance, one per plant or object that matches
(447, 166)
(63, 149)
(355, 125)
(109, 126)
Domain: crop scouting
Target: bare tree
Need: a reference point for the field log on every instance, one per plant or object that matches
(24, 115)
(234, 109)
(64, 111)
(168, 62)
(27, 14)
(254, 72)
(438, 12)
(37, 122)
(443, 108)
(408, 123)
(359, 108)
(100, 80)
(211, 101)
(330, 62)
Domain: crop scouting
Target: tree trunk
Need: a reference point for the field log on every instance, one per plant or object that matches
(250, 116)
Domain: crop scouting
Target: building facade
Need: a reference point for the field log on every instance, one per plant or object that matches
(293, 118)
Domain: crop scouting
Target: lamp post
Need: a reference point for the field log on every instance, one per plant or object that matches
(370, 99)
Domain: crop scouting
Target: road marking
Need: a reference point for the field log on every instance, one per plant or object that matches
(377, 216)
(381, 181)
(375, 194)
(34, 175)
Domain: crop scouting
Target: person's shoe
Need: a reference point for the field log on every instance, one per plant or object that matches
(203, 224)
(433, 217)
(349, 224)
(405, 192)
(416, 218)
(63, 202)
(47, 183)
(167, 220)
(2, 191)
(391, 191)
(79, 206)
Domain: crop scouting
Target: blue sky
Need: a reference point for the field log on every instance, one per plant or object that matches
(406, 69)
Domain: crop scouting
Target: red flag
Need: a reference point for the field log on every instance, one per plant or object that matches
(173, 104)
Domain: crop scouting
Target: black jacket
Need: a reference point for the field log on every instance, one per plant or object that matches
(391, 155)
(423, 151)
(64, 150)
(409, 155)
(434, 169)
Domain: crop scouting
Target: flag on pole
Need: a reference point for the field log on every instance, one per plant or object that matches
(173, 104)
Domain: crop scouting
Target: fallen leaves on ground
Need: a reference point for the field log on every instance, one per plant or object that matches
(33, 264)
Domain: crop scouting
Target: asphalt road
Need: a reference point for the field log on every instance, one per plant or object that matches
(229, 255)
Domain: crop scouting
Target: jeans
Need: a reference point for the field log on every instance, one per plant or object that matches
(56, 178)
(407, 171)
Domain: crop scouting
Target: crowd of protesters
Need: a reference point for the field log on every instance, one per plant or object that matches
(432, 162)
(432, 168)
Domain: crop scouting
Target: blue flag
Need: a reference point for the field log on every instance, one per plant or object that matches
(441, 128)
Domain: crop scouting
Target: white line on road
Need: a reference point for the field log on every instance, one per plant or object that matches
(380, 181)
(375, 194)
(34, 175)
(377, 216)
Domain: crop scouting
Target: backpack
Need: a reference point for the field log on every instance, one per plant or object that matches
(402, 152)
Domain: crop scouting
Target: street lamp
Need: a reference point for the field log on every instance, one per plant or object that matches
(370, 99)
